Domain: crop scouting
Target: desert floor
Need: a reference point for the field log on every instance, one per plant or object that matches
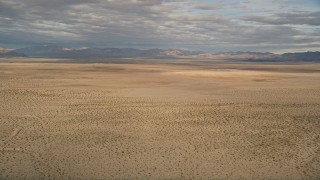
(158, 119)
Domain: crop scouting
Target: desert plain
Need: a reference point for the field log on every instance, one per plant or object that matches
(159, 119)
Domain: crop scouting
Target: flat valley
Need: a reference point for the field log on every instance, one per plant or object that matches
(159, 119)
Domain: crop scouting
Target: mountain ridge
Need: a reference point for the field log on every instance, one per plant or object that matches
(54, 51)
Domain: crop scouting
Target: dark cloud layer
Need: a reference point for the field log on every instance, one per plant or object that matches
(193, 24)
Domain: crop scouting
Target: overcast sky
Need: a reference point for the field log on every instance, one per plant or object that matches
(209, 25)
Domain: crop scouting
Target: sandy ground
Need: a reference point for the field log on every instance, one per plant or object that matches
(179, 119)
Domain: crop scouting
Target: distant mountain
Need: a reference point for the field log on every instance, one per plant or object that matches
(304, 56)
(3, 50)
(10, 53)
(53, 51)
(291, 57)
(236, 55)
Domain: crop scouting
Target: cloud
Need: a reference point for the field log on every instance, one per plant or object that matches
(205, 6)
(301, 18)
(191, 24)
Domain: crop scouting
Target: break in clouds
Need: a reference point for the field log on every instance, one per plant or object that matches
(211, 25)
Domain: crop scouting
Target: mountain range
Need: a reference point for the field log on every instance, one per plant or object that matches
(53, 51)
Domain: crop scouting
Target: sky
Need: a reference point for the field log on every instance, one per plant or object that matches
(208, 25)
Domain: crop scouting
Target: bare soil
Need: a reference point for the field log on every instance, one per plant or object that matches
(171, 119)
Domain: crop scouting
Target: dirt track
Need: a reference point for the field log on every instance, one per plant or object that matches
(176, 120)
